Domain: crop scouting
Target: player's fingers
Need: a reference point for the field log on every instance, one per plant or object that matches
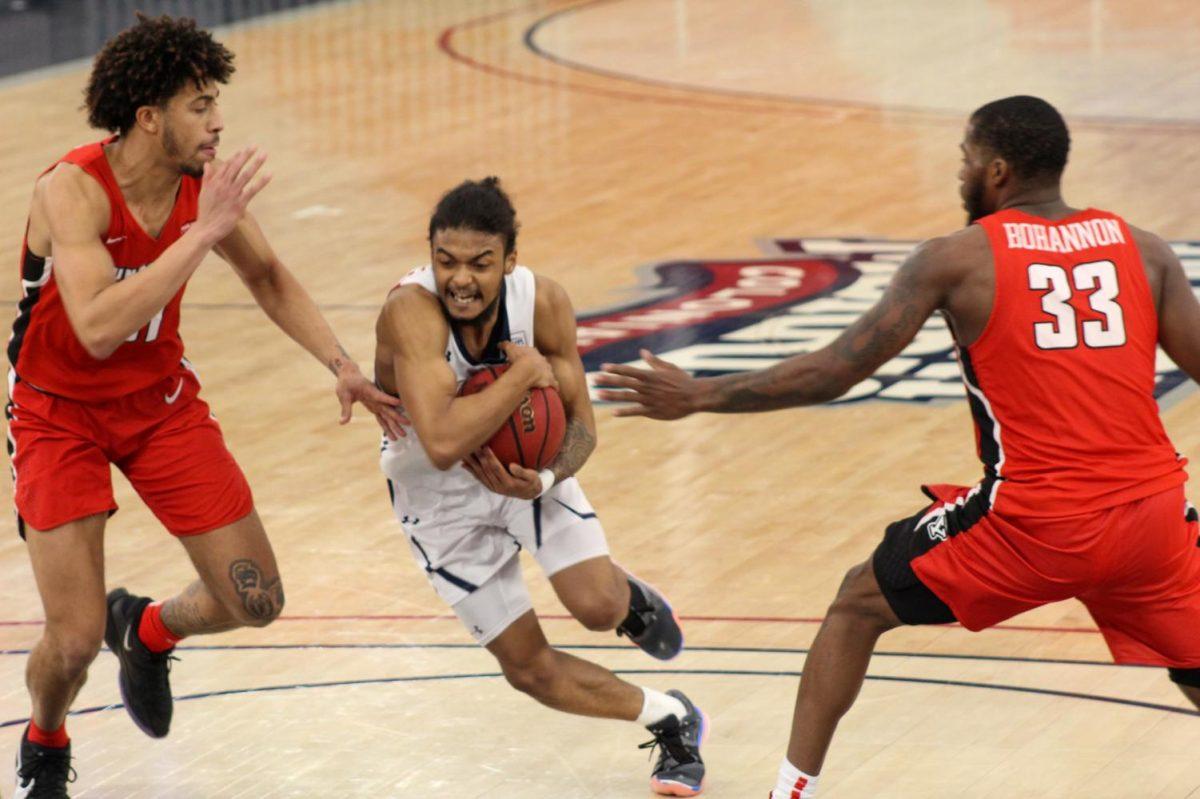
(249, 170)
(654, 361)
(346, 403)
(623, 370)
(606, 380)
(521, 473)
(618, 396)
(234, 165)
(632, 410)
(252, 191)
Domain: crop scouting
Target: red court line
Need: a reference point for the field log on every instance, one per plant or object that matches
(1026, 628)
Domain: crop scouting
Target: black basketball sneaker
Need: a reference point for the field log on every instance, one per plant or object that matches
(144, 676)
(42, 771)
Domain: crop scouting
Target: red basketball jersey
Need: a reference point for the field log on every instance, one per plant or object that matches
(1061, 381)
(44, 350)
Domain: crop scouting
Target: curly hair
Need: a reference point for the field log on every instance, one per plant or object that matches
(1027, 132)
(477, 205)
(148, 64)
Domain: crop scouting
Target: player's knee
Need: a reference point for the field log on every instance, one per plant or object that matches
(259, 609)
(534, 675)
(859, 598)
(74, 650)
(600, 612)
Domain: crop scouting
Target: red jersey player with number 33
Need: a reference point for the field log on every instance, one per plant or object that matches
(1057, 313)
(98, 377)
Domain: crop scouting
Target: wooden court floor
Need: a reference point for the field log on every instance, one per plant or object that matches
(631, 133)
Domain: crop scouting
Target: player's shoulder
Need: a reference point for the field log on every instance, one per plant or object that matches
(68, 189)
(951, 256)
(411, 298)
(548, 289)
(1151, 246)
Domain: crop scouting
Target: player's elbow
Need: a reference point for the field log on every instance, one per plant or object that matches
(443, 455)
(98, 345)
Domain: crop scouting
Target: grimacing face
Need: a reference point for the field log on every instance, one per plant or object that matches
(469, 266)
(191, 127)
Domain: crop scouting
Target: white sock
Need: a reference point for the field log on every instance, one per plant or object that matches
(794, 783)
(657, 706)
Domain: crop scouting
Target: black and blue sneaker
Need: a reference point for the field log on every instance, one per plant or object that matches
(651, 624)
(679, 770)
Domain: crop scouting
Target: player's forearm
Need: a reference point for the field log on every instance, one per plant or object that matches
(109, 318)
(292, 309)
(794, 382)
(468, 422)
(578, 444)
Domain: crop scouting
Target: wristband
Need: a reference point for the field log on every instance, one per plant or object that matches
(547, 478)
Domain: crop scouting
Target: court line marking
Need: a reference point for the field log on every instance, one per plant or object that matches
(684, 672)
(917, 113)
(566, 617)
(764, 650)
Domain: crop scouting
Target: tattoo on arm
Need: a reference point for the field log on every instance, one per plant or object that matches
(825, 375)
(340, 359)
(578, 443)
(262, 598)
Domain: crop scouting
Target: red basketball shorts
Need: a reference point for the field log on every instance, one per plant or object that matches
(1136, 567)
(163, 438)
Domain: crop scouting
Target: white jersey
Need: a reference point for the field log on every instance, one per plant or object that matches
(419, 487)
(465, 537)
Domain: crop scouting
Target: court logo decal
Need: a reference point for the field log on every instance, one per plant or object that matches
(718, 317)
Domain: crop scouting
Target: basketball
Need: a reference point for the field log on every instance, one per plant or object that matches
(533, 434)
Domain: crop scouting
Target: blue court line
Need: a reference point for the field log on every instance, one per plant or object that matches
(694, 672)
(754, 650)
(765, 650)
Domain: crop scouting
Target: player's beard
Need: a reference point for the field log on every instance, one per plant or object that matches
(175, 151)
(976, 208)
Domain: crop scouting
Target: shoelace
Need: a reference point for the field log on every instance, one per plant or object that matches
(672, 746)
(636, 622)
(50, 766)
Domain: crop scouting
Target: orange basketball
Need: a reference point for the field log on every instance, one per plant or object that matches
(534, 433)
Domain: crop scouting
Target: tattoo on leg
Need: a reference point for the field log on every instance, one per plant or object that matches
(262, 598)
(185, 615)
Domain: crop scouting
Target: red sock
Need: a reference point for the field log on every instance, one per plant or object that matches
(54, 740)
(153, 632)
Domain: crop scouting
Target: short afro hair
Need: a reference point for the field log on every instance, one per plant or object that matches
(1025, 131)
(148, 64)
(477, 205)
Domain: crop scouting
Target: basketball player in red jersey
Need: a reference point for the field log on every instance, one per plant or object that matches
(115, 230)
(1056, 313)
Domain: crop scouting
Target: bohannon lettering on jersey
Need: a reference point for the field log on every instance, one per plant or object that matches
(718, 317)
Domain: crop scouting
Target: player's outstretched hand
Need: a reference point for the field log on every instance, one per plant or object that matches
(528, 357)
(353, 386)
(227, 189)
(515, 481)
(664, 391)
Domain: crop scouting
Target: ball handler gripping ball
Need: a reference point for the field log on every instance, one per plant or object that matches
(534, 433)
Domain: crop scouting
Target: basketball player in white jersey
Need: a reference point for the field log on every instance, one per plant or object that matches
(467, 516)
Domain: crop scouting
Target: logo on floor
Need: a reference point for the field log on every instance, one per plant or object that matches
(717, 317)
